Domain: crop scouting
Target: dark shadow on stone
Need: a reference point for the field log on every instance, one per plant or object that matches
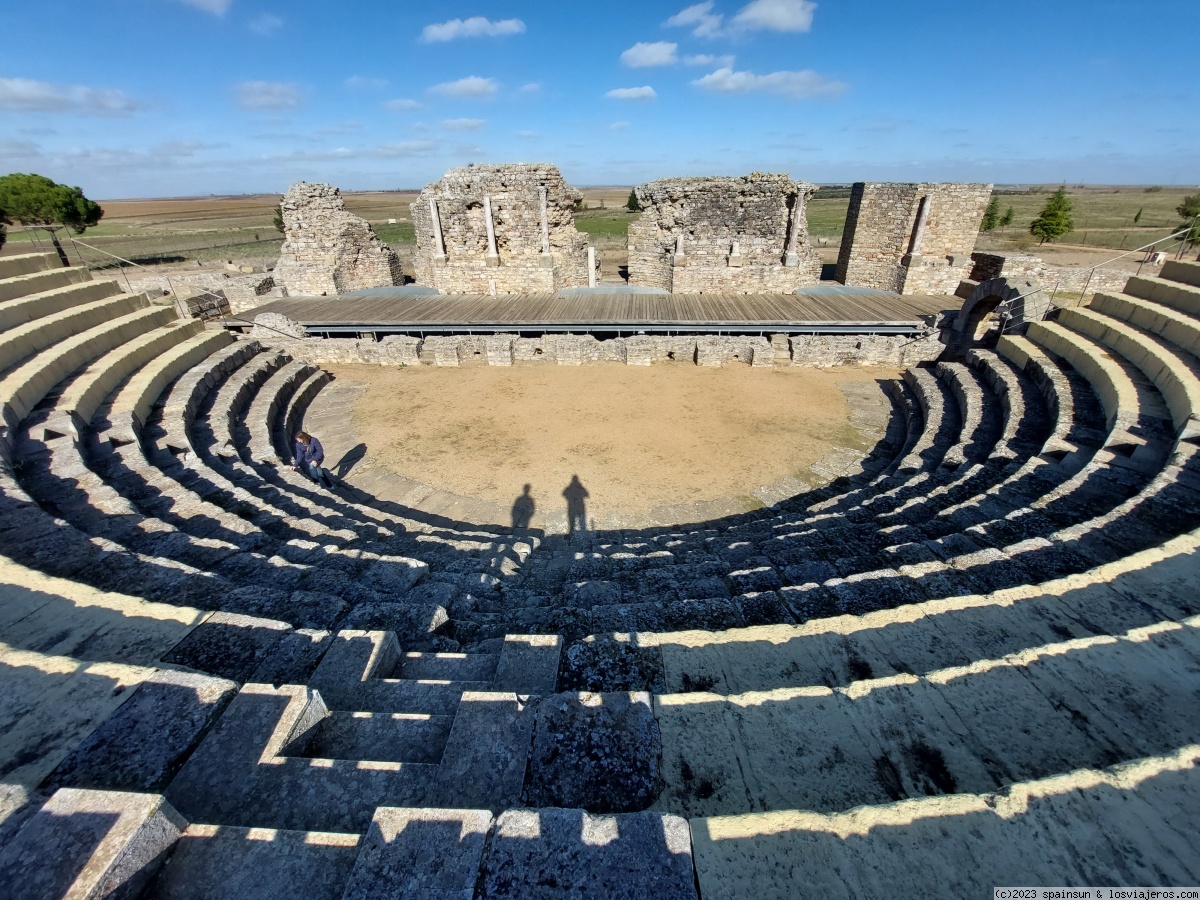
(350, 459)
(522, 509)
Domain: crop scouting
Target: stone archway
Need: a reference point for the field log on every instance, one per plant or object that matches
(994, 305)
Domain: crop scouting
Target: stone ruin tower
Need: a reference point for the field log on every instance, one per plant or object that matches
(911, 238)
(740, 235)
(327, 250)
(499, 229)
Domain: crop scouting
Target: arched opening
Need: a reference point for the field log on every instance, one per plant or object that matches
(995, 307)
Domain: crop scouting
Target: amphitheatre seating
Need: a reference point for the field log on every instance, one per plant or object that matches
(988, 638)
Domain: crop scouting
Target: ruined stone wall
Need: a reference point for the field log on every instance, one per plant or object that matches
(537, 247)
(1069, 279)
(763, 215)
(911, 238)
(576, 350)
(327, 249)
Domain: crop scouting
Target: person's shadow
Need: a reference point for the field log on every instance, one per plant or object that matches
(523, 508)
(348, 460)
(576, 494)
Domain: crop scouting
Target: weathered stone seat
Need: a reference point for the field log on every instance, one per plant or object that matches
(39, 280)
(22, 310)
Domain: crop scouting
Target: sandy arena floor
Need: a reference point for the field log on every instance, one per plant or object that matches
(639, 439)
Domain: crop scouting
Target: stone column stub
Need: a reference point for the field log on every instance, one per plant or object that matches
(680, 257)
(735, 255)
(791, 258)
(439, 242)
(591, 265)
(914, 248)
(493, 255)
(545, 221)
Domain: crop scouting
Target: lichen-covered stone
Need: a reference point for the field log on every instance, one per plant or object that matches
(327, 249)
(600, 752)
(744, 235)
(606, 662)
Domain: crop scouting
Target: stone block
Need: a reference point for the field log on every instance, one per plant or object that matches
(90, 844)
(433, 854)
(486, 753)
(611, 663)
(596, 751)
(529, 663)
(146, 740)
(228, 645)
(353, 657)
(550, 854)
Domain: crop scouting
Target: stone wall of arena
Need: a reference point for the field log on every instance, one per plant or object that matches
(642, 350)
(537, 247)
(732, 235)
(327, 249)
(911, 238)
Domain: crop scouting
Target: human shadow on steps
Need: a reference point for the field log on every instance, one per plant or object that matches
(523, 509)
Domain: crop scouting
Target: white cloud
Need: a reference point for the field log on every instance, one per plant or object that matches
(619, 126)
(216, 7)
(401, 104)
(265, 24)
(529, 89)
(471, 86)
(463, 124)
(635, 93)
(700, 18)
(365, 83)
(476, 26)
(644, 54)
(776, 15)
(268, 95)
(708, 59)
(41, 96)
(801, 85)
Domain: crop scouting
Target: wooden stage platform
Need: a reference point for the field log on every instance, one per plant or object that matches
(826, 309)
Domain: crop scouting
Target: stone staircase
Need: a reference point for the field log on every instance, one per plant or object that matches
(977, 654)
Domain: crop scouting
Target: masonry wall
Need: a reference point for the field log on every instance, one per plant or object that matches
(327, 249)
(523, 261)
(575, 350)
(883, 248)
(758, 213)
(1070, 279)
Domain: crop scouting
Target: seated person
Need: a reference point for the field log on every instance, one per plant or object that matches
(307, 456)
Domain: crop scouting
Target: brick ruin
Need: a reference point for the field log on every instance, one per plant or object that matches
(326, 249)
(485, 229)
(1067, 279)
(911, 238)
(741, 235)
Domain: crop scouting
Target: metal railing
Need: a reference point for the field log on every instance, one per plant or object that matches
(181, 305)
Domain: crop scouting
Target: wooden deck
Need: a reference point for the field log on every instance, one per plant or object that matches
(839, 310)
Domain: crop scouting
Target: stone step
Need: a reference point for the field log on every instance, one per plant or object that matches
(1130, 824)
(21, 310)
(391, 737)
(22, 342)
(43, 280)
(89, 844)
(1166, 370)
(480, 667)
(211, 861)
(1082, 702)
(26, 263)
(1180, 295)
(1184, 271)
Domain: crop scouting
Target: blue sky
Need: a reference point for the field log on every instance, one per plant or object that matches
(144, 98)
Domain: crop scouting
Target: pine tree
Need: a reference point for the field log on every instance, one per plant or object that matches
(1137, 217)
(1007, 219)
(991, 215)
(37, 201)
(1189, 211)
(1055, 218)
(632, 203)
(278, 220)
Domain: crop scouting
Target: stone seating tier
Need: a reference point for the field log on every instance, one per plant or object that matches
(998, 609)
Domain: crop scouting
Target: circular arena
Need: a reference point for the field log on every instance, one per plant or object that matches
(894, 632)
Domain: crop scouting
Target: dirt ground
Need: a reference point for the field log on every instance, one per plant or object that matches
(636, 437)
